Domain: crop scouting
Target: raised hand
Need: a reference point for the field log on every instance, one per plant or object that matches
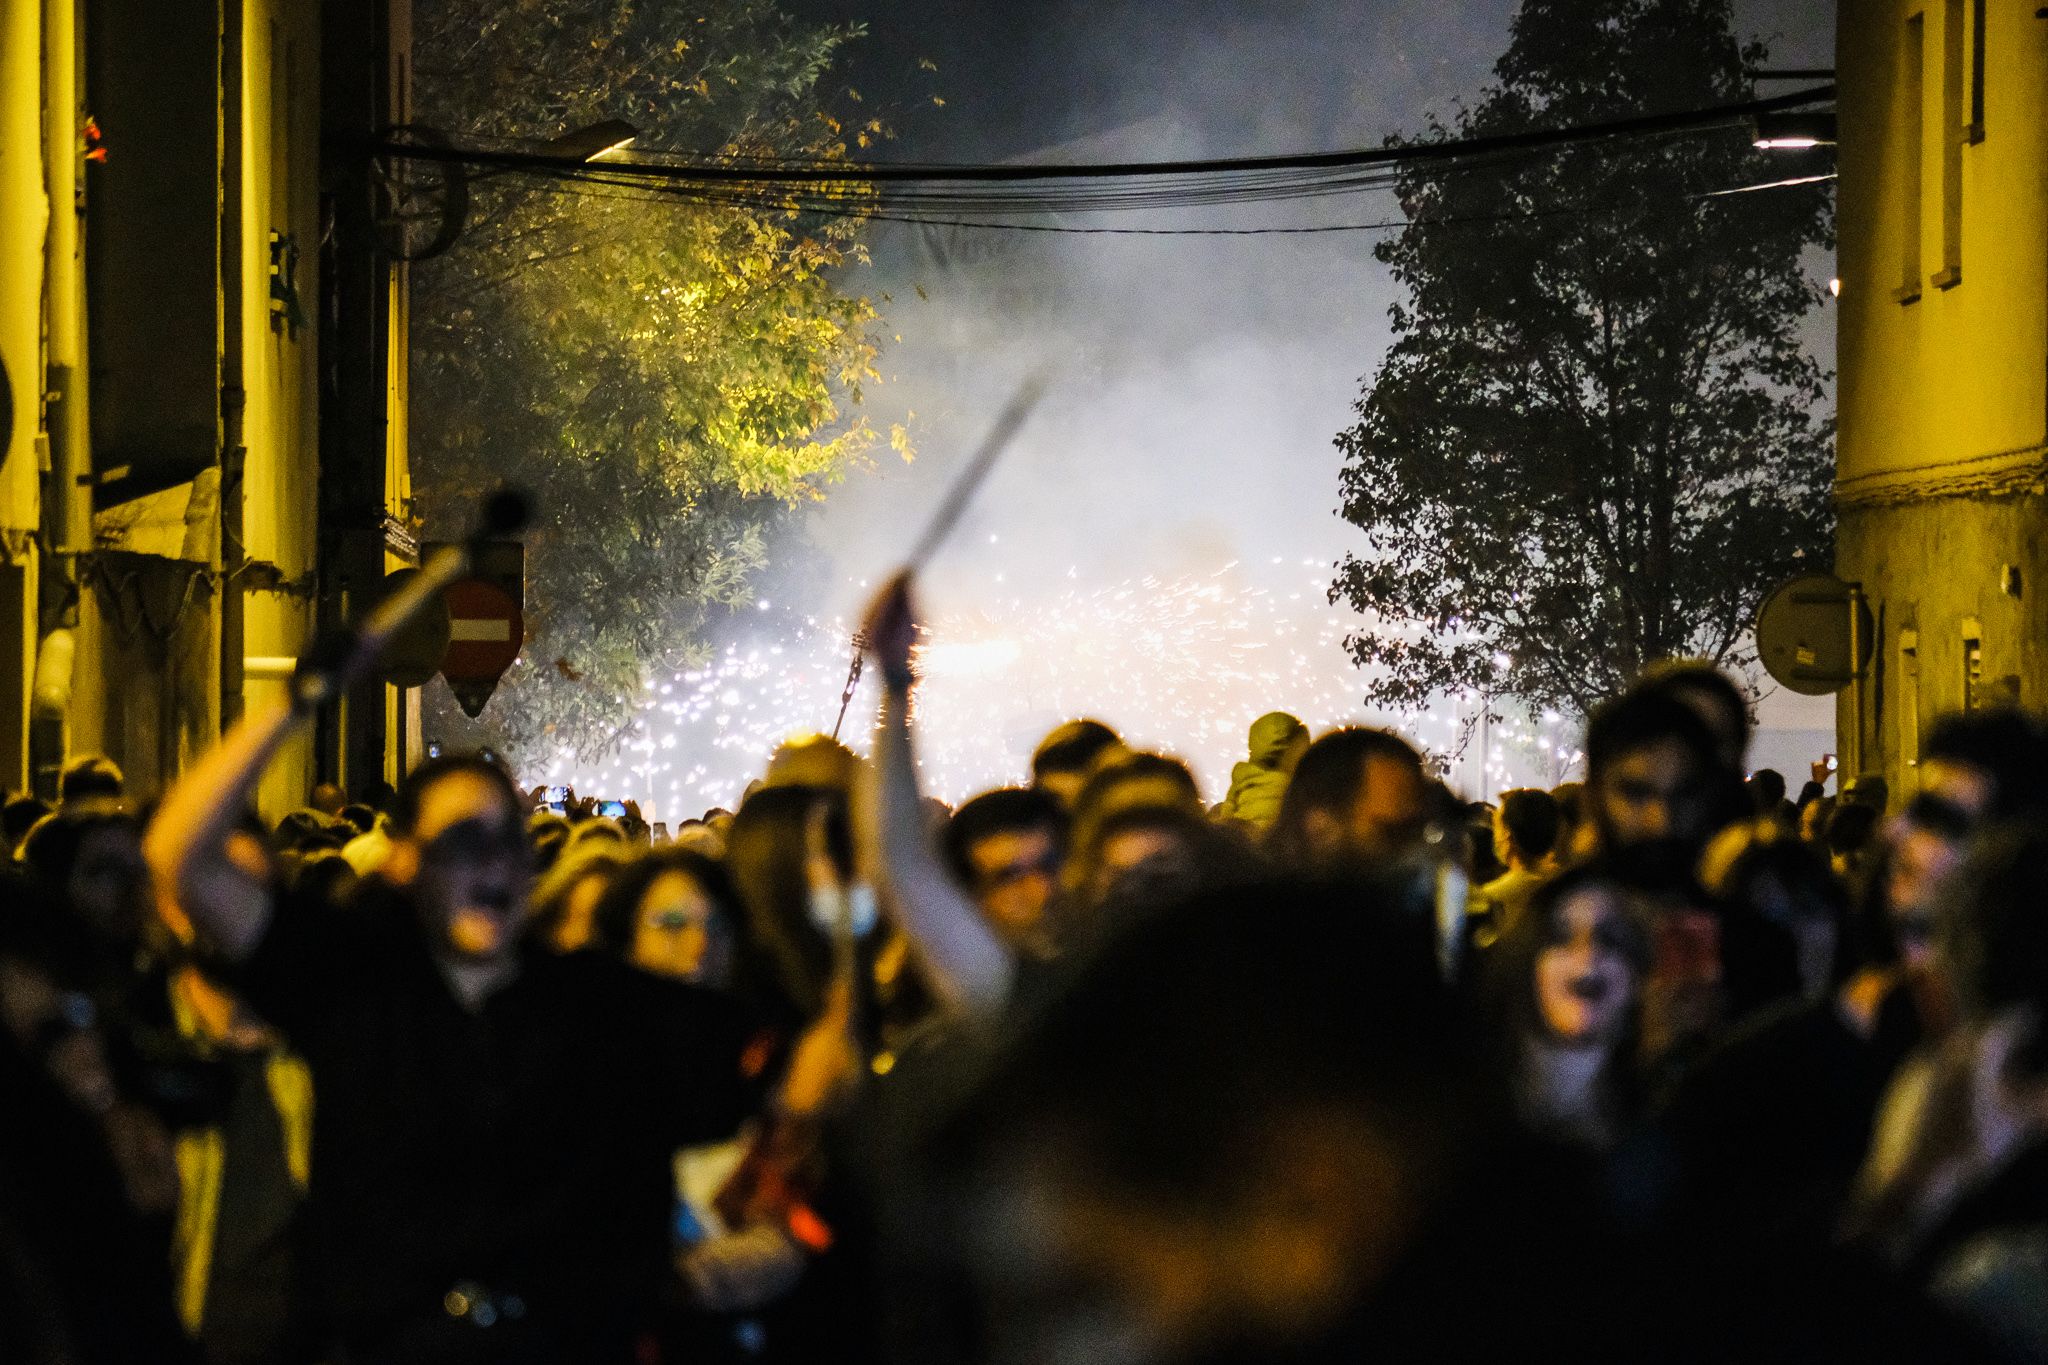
(891, 631)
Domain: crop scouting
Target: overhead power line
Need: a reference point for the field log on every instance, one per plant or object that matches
(776, 172)
(992, 197)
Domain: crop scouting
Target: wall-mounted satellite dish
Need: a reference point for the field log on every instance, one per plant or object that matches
(1814, 634)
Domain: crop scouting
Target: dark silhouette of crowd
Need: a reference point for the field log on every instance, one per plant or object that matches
(1670, 1063)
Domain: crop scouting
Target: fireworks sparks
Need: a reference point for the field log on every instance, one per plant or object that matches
(1183, 665)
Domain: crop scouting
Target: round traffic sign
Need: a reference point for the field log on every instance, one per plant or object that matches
(485, 631)
(414, 655)
(1814, 634)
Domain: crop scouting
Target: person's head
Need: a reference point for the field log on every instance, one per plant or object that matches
(1767, 792)
(307, 832)
(1152, 853)
(360, 818)
(1709, 694)
(1576, 962)
(1651, 770)
(594, 830)
(768, 854)
(1007, 848)
(458, 845)
(1813, 821)
(565, 899)
(93, 777)
(1763, 872)
(90, 853)
(1525, 828)
(547, 833)
(1923, 849)
(1228, 1125)
(1995, 947)
(812, 761)
(17, 818)
(1065, 758)
(1481, 854)
(327, 798)
(1571, 819)
(1868, 790)
(1357, 795)
(1850, 831)
(1135, 779)
(1277, 741)
(673, 913)
(1990, 765)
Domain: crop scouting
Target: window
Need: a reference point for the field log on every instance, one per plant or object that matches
(1952, 133)
(1973, 672)
(1912, 132)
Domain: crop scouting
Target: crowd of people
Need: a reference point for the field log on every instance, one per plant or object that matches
(1668, 1063)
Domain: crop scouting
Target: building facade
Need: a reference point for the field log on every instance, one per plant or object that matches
(1942, 464)
(169, 203)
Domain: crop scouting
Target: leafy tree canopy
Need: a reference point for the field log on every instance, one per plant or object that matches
(1596, 439)
(668, 379)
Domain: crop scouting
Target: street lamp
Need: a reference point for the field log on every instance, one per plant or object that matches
(419, 208)
(597, 141)
(1793, 132)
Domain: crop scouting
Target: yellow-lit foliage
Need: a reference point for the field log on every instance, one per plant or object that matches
(670, 379)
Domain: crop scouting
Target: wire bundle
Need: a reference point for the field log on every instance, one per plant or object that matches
(996, 195)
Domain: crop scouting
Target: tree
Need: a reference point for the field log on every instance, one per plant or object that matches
(1596, 439)
(668, 379)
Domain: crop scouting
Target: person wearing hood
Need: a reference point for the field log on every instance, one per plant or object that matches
(1278, 741)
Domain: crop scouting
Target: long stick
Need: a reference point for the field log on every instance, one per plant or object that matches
(1005, 429)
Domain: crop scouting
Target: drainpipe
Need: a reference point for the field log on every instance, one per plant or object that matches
(68, 498)
(233, 398)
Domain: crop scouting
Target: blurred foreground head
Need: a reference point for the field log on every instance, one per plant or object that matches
(1709, 694)
(1230, 1124)
(1990, 765)
(458, 829)
(1358, 796)
(812, 761)
(1655, 772)
(1065, 758)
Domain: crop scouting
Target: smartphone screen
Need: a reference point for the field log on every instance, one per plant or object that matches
(611, 810)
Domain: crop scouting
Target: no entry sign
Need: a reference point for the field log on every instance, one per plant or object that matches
(485, 632)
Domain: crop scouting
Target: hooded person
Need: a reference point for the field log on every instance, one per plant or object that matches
(1257, 785)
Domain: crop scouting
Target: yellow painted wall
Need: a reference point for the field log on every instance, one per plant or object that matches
(23, 212)
(1943, 377)
(1962, 372)
(22, 219)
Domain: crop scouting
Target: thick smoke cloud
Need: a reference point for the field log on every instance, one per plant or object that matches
(1198, 381)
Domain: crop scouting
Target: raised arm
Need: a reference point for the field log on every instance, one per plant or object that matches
(186, 843)
(968, 962)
